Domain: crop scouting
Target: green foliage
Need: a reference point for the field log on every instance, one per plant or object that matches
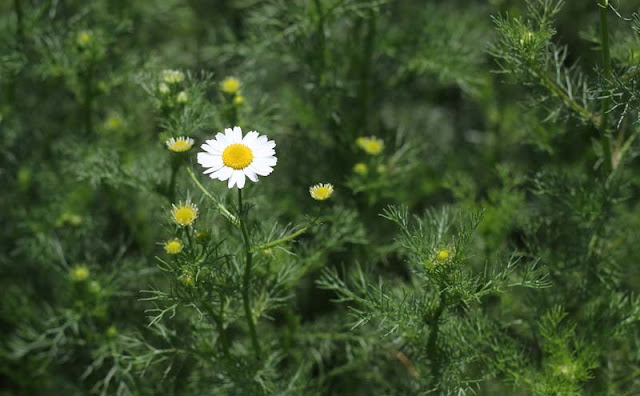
(481, 238)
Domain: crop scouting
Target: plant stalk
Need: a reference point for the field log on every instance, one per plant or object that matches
(225, 212)
(19, 21)
(432, 341)
(171, 191)
(606, 64)
(367, 66)
(88, 100)
(280, 241)
(246, 281)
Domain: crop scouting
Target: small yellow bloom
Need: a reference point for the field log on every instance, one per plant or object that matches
(442, 255)
(361, 169)
(321, 192)
(186, 279)
(267, 252)
(84, 38)
(173, 246)
(371, 145)
(526, 38)
(183, 97)
(185, 213)
(114, 122)
(94, 287)
(163, 88)
(69, 219)
(172, 76)
(79, 273)
(230, 85)
(203, 237)
(180, 144)
(112, 331)
(238, 100)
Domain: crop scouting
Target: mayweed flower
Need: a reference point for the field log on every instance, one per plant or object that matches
(180, 144)
(230, 85)
(371, 145)
(183, 97)
(185, 213)
(203, 237)
(361, 169)
(112, 331)
(172, 76)
(186, 279)
(163, 88)
(231, 157)
(113, 123)
(94, 287)
(173, 246)
(70, 219)
(442, 255)
(321, 192)
(84, 38)
(79, 273)
(238, 100)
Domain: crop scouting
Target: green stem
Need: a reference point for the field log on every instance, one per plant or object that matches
(281, 240)
(432, 341)
(367, 64)
(575, 106)
(171, 191)
(88, 100)
(321, 45)
(606, 64)
(19, 21)
(225, 212)
(218, 321)
(246, 281)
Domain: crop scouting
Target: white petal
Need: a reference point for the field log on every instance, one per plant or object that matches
(265, 161)
(232, 180)
(263, 153)
(237, 133)
(261, 170)
(262, 139)
(222, 174)
(250, 139)
(250, 174)
(220, 137)
(209, 160)
(213, 169)
(215, 147)
(240, 178)
(233, 135)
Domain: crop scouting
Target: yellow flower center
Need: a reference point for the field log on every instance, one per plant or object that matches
(361, 169)
(443, 255)
(230, 85)
(79, 273)
(321, 192)
(84, 38)
(237, 156)
(371, 145)
(185, 215)
(173, 247)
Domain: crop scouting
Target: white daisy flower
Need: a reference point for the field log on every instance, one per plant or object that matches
(180, 144)
(231, 157)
